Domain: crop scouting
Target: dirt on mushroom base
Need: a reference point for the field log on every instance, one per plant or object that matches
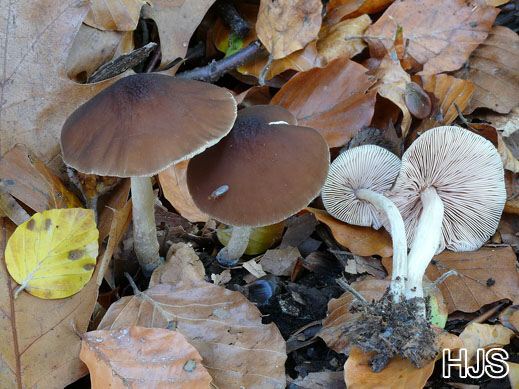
(391, 329)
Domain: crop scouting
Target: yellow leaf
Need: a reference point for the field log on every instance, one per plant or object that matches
(53, 254)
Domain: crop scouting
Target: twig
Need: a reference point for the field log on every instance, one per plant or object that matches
(216, 69)
(462, 118)
(441, 279)
(122, 63)
(265, 70)
(347, 287)
(232, 18)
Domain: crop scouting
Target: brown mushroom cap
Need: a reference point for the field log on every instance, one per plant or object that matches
(364, 167)
(467, 173)
(271, 171)
(144, 123)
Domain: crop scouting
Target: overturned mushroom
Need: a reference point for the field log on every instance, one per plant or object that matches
(264, 171)
(354, 193)
(139, 126)
(451, 193)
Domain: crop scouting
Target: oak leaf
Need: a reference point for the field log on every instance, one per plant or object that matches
(284, 26)
(334, 100)
(440, 34)
(337, 10)
(142, 357)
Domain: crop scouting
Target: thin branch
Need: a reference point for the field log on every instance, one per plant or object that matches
(348, 288)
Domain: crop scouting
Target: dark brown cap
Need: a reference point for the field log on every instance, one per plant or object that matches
(259, 174)
(144, 123)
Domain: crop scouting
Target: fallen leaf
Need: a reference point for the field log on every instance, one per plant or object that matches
(510, 162)
(37, 96)
(260, 239)
(513, 375)
(392, 84)
(439, 34)
(284, 26)
(449, 92)
(116, 201)
(256, 95)
(120, 15)
(334, 100)
(53, 255)
(468, 292)
(343, 40)
(493, 69)
(182, 263)
(337, 10)
(280, 262)
(34, 184)
(299, 229)
(510, 318)
(321, 380)
(176, 21)
(254, 268)
(91, 49)
(476, 336)
(142, 357)
(174, 185)
(222, 325)
(40, 346)
(363, 241)
(222, 278)
(506, 124)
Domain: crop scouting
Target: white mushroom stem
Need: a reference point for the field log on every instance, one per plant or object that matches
(386, 206)
(145, 243)
(238, 242)
(425, 242)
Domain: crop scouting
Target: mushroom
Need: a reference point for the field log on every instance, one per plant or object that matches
(264, 171)
(451, 193)
(138, 127)
(354, 193)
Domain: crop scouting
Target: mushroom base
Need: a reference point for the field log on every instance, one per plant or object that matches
(391, 329)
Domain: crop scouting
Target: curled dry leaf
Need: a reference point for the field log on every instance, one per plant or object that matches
(342, 40)
(334, 100)
(37, 94)
(440, 34)
(337, 10)
(174, 185)
(142, 357)
(361, 241)
(476, 336)
(223, 326)
(449, 92)
(285, 26)
(120, 15)
(494, 70)
(510, 161)
(392, 84)
(34, 184)
(176, 22)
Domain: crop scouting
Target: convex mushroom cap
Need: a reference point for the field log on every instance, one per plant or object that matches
(364, 167)
(268, 172)
(144, 123)
(467, 174)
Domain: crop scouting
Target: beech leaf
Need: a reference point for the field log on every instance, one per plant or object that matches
(120, 15)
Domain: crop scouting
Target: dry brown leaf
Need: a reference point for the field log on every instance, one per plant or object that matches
(142, 357)
(285, 26)
(36, 94)
(513, 375)
(40, 345)
(176, 21)
(449, 92)
(469, 291)
(476, 336)
(118, 15)
(494, 70)
(510, 162)
(31, 182)
(222, 325)
(342, 39)
(392, 82)
(510, 318)
(361, 241)
(118, 199)
(91, 49)
(280, 262)
(334, 100)
(506, 124)
(337, 10)
(222, 278)
(182, 263)
(254, 268)
(321, 380)
(440, 34)
(174, 185)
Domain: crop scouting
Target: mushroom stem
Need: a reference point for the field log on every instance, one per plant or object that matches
(425, 242)
(236, 247)
(146, 244)
(386, 206)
